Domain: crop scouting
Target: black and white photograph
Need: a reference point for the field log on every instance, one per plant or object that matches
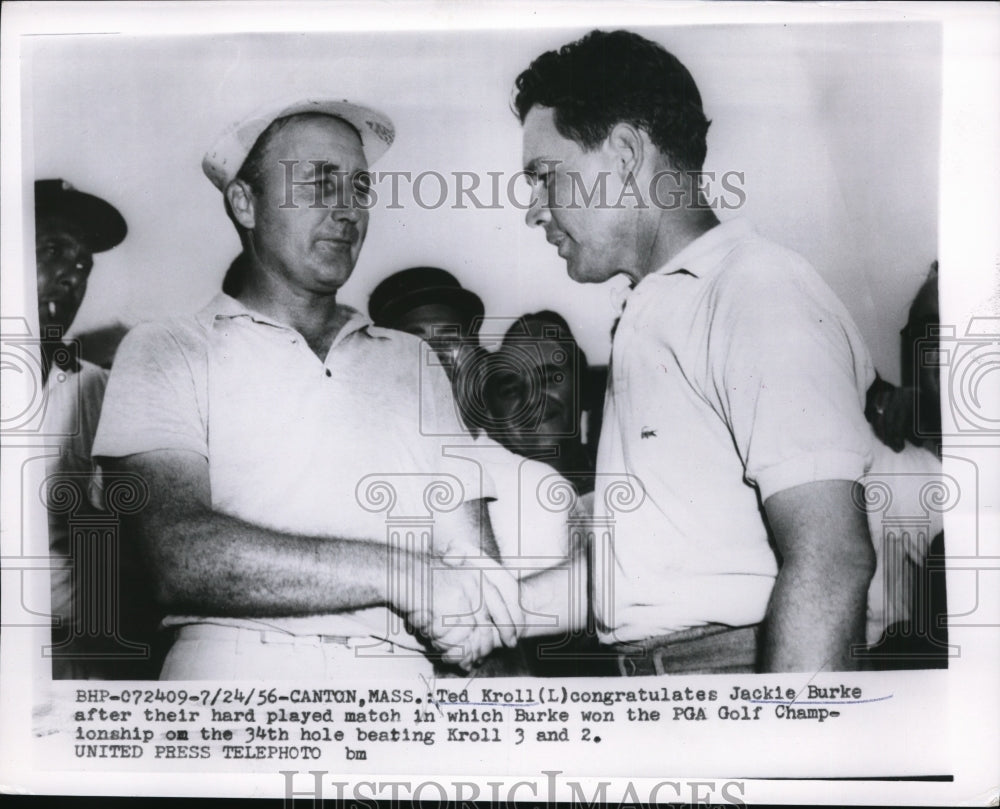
(605, 398)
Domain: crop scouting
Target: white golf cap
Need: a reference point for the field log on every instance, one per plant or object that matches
(230, 150)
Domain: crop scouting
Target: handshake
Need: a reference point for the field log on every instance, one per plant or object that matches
(464, 607)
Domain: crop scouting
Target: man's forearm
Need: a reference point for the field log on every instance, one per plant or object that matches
(807, 633)
(208, 563)
(212, 564)
(817, 607)
(555, 600)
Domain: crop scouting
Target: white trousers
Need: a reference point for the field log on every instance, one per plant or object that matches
(216, 652)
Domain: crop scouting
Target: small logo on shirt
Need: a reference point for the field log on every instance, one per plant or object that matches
(647, 432)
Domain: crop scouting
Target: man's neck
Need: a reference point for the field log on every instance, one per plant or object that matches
(56, 352)
(675, 230)
(318, 318)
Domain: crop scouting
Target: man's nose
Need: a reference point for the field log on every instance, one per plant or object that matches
(348, 212)
(72, 274)
(538, 210)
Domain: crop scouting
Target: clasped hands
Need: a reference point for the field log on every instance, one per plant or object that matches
(469, 608)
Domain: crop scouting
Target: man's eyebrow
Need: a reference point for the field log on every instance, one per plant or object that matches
(59, 238)
(531, 167)
(543, 164)
(324, 166)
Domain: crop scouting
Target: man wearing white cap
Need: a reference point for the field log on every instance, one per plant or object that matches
(300, 500)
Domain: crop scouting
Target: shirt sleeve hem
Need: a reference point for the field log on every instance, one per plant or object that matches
(811, 468)
(122, 447)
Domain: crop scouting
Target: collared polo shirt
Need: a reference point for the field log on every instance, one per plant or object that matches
(736, 373)
(352, 446)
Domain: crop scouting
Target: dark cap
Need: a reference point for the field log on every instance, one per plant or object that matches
(101, 222)
(405, 290)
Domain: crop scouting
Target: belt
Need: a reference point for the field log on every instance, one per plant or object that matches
(708, 649)
(222, 632)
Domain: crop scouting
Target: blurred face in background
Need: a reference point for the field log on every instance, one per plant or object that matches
(63, 261)
(442, 327)
(533, 394)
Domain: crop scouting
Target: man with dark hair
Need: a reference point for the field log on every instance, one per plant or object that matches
(279, 430)
(736, 391)
(535, 394)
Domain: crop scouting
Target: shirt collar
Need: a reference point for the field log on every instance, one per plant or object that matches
(226, 307)
(64, 356)
(704, 255)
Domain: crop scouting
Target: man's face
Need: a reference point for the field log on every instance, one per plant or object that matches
(63, 261)
(532, 393)
(439, 325)
(594, 238)
(309, 232)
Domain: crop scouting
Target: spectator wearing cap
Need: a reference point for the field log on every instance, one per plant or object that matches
(70, 226)
(430, 303)
(278, 433)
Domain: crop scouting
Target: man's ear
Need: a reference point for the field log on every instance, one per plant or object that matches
(628, 148)
(240, 197)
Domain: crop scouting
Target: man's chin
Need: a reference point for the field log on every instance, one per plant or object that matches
(331, 279)
(48, 326)
(579, 272)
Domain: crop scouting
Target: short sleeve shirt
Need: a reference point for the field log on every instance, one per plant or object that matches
(736, 373)
(351, 446)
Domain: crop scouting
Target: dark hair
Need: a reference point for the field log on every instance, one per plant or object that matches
(236, 275)
(524, 325)
(538, 326)
(917, 336)
(607, 78)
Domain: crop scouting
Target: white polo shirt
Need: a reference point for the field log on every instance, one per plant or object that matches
(295, 443)
(736, 373)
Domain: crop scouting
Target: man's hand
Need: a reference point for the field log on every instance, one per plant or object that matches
(890, 411)
(472, 608)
